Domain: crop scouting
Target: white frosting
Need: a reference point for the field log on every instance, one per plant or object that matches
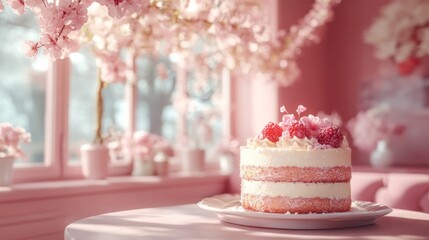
(295, 190)
(256, 142)
(279, 157)
(296, 143)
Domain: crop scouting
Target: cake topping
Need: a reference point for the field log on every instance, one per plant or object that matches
(300, 132)
(298, 129)
(272, 132)
(331, 136)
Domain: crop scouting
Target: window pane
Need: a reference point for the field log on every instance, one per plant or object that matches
(204, 116)
(82, 107)
(22, 82)
(156, 113)
(156, 84)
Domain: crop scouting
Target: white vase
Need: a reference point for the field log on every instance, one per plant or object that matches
(143, 167)
(6, 169)
(95, 161)
(382, 156)
(193, 160)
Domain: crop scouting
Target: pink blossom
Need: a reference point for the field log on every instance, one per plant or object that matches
(113, 69)
(52, 49)
(75, 14)
(396, 33)
(68, 44)
(50, 19)
(1, 7)
(121, 8)
(283, 109)
(373, 125)
(300, 109)
(315, 124)
(287, 120)
(11, 138)
(148, 144)
(34, 5)
(30, 48)
(17, 6)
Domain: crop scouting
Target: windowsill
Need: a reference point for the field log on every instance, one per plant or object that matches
(55, 189)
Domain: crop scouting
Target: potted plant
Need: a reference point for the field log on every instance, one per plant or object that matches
(150, 152)
(10, 140)
(95, 156)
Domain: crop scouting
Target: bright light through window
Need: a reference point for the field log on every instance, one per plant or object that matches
(22, 82)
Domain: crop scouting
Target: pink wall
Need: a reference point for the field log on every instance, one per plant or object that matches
(349, 61)
(309, 89)
(332, 71)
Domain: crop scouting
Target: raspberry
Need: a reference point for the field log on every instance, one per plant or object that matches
(331, 136)
(271, 132)
(299, 130)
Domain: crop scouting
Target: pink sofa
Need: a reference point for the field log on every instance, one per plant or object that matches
(394, 188)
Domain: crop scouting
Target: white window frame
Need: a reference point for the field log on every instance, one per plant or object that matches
(56, 165)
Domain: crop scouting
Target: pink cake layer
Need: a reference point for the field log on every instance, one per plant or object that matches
(281, 204)
(296, 174)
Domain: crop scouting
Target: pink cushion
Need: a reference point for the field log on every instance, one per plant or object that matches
(365, 185)
(397, 190)
(406, 191)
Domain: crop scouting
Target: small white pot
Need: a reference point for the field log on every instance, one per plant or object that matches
(95, 161)
(6, 169)
(143, 167)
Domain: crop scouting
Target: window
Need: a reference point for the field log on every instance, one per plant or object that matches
(55, 102)
(22, 83)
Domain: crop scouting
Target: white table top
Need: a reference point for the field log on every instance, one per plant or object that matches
(192, 222)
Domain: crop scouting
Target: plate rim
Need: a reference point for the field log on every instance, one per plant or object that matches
(384, 210)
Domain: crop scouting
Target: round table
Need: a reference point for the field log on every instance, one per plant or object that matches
(192, 222)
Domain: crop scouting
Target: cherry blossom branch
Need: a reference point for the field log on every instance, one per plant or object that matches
(99, 106)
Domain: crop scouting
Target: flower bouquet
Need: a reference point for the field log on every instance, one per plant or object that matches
(10, 149)
(392, 135)
(10, 140)
(150, 153)
(401, 34)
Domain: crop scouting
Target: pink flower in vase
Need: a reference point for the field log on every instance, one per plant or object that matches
(371, 126)
(150, 144)
(11, 138)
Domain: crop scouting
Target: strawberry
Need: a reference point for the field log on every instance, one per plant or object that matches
(272, 132)
(299, 130)
(331, 136)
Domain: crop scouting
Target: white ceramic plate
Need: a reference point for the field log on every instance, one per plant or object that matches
(228, 209)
